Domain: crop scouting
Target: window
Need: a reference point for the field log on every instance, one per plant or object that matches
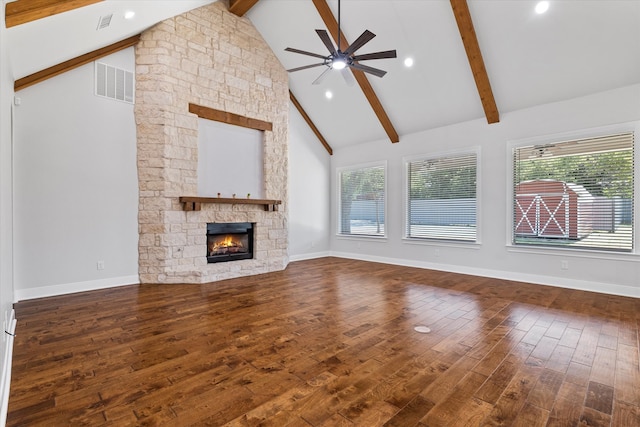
(362, 201)
(576, 194)
(441, 202)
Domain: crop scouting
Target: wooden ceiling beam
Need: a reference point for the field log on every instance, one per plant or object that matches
(313, 127)
(332, 25)
(23, 11)
(472, 47)
(63, 67)
(240, 7)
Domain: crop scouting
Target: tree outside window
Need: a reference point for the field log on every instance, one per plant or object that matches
(362, 201)
(442, 202)
(576, 193)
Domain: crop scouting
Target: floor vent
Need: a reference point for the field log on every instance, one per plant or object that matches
(114, 83)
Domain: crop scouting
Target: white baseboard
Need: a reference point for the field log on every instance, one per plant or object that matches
(314, 255)
(560, 282)
(70, 288)
(5, 380)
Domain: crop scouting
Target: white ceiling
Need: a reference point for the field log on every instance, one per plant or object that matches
(577, 48)
(49, 41)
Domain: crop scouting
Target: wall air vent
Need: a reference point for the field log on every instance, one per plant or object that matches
(114, 83)
(104, 21)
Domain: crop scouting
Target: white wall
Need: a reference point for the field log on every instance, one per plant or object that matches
(6, 194)
(76, 191)
(309, 192)
(6, 214)
(493, 257)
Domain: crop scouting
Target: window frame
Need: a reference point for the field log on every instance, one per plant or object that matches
(475, 150)
(339, 171)
(583, 252)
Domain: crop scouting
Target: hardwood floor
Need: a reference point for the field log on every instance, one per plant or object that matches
(329, 342)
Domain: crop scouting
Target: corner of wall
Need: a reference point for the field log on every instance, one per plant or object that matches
(6, 219)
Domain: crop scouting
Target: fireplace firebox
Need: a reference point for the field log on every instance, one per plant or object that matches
(229, 241)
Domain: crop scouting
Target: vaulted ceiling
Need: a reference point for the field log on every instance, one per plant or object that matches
(475, 59)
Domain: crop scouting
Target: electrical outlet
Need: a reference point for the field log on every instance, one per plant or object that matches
(100, 265)
(564, 264)
(437, 253)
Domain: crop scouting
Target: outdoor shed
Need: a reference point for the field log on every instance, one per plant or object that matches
(553, 209)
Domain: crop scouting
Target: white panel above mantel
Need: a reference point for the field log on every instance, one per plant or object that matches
(230, 160)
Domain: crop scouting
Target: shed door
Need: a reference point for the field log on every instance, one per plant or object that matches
(542, 215)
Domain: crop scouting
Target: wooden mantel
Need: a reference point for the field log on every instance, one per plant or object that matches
(194, 203)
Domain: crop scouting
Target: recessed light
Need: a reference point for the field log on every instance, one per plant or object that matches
(129, 14)
(542, 7)
(408, 62)
(328, 94)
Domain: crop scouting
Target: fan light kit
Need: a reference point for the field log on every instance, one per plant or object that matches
(338, 64)
(339, 60)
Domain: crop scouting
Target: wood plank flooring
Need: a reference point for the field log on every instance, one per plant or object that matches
(329, 342)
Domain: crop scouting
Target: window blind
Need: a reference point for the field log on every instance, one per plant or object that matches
(577, 194)
(362, 201)
(442, 197)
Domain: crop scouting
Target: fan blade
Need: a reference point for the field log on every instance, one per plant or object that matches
(321, 77)
(304, 52)
(360, 41)
(370, 70)
(348, 77)
(305, 67)
(376, 55)
(324, 36)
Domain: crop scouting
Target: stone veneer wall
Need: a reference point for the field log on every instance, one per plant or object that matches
(215, 59)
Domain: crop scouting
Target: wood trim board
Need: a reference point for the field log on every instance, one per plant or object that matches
(229, 118)
(63, 67)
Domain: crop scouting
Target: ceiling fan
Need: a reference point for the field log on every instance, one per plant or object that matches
(339, 60)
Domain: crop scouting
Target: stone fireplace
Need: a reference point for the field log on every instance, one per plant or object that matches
(229, 241)
(211, 58)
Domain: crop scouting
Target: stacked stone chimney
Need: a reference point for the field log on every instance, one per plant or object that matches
(211, 58)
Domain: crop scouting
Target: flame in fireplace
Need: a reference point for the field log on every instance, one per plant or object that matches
(226, 245)
(227, 242)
